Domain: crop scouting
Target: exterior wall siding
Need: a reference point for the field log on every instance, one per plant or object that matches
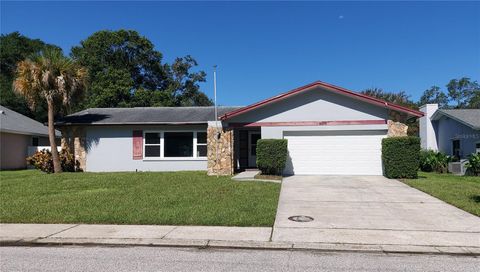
(314, 106)
(109, 149)
(13, 150)
(448, 130)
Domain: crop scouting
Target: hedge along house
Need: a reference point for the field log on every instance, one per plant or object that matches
(330, 130)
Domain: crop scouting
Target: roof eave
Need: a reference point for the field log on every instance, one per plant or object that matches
(129, 123)
(28, 133)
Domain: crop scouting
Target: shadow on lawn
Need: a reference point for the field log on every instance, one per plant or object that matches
(475, 198)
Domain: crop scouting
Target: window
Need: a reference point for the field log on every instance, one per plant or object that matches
(253, 146)
(201, 144)
(456, 148)
(477, 148)
(34, 141)
(152, 144)
(178, 144)
(175, 144)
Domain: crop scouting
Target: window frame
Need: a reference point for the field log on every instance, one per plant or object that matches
(162, 146)
(196, 143)
(145, 144)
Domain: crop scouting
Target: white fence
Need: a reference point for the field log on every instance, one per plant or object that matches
(33, 149)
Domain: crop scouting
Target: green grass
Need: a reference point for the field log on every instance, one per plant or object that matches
(173, 198)
(460, 191)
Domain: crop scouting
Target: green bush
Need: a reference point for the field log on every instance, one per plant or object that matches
(434, 161)
(473, 165)
(401, 157)
(271, 156)
(43, 161)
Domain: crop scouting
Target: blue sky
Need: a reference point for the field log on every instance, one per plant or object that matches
(264, 48)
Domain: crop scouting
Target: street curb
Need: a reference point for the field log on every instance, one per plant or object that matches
(247, 245)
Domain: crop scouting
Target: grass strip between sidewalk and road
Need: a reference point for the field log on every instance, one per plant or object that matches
(157, 198)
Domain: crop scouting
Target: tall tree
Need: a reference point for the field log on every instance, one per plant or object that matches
(434, 96)
(55, 79)
(126, 70)
(399, 98)
(464, 92)
(15, 47)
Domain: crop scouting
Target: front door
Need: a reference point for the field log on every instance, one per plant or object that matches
(253, 137)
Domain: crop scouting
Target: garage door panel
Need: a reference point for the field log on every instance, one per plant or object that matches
(331, 154)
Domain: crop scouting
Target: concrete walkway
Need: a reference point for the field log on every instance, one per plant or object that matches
(189, 236)
(369, 210)
(246, 175)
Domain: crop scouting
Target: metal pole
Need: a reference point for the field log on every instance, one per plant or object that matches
(216, 114)
(215, 90)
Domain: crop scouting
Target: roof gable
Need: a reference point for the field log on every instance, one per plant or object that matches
(468, 117)
(328, 87)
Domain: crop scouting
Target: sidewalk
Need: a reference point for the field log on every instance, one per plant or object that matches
(189, 236)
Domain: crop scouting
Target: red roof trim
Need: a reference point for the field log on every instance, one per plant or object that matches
(329, 87)
(309, 123)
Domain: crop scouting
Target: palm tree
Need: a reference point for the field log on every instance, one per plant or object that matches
(56, 79)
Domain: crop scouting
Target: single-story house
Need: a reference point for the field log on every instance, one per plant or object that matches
(20, 136)
(330, 130)
(456, 132)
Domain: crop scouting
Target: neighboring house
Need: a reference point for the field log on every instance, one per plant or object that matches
(330, 130)
(455, 132)
(19, 136)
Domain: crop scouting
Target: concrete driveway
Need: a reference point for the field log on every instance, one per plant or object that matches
(369, 210)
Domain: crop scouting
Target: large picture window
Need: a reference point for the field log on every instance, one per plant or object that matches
(175, 144)
(178, 144)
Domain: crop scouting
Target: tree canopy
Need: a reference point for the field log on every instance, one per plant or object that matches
(126, 71)
(461, 93)
(50, 77)
(14, 48)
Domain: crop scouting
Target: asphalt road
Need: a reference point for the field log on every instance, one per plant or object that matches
(189, 259)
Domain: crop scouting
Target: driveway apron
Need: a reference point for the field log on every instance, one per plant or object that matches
(369, 210)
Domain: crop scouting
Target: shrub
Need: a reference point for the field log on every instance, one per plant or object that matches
(434, 161)
(42, 160)
(271, 156)
(401, 156)
(473, 165)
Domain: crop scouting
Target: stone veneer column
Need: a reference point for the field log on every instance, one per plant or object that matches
(219, 150)
(74, 140)
(396, 129)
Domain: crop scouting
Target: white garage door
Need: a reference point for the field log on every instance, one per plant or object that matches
(334, 152)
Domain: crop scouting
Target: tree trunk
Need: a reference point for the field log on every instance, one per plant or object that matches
(57, 167)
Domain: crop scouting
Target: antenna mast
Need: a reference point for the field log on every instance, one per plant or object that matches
(215, 90)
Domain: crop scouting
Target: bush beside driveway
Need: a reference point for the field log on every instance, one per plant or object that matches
(460, 191)
(172, 198)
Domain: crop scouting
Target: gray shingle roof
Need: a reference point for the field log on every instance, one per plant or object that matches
(150, 115)
(469, 117)
(14, 122)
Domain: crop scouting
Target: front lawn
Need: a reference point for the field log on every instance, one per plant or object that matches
(174, 198)
(462, 192)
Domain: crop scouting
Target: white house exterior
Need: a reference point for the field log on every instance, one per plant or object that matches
(330, 130)
(455, 132)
